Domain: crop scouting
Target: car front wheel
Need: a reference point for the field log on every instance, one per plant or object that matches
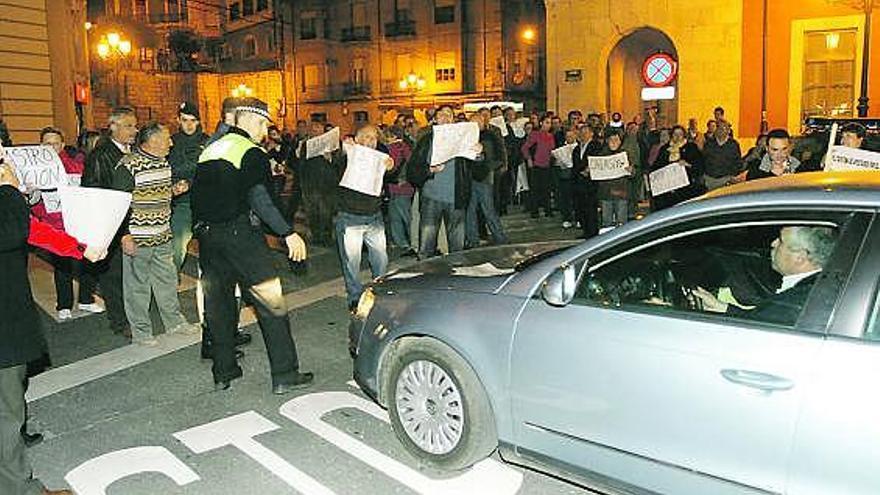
(438, 407)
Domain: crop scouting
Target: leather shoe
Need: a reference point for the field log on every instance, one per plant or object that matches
(31, 439)
(226, 383)
(301, 380)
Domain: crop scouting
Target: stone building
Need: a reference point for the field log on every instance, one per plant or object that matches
(351, 61)
(337, 60)
(778, 61)
(42, 59)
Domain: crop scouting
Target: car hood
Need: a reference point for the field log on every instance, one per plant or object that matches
(476, 270)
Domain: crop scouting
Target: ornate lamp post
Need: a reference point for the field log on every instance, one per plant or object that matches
(412, 83)
(868, 7)
(114, 48)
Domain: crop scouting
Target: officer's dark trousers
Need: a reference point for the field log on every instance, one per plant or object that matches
(236, 253)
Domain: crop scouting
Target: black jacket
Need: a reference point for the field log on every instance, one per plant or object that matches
(184, 157)
(494, 156)
(580, 164)
(418, 171)
(20, 329)
(100, 163)
(783, 308)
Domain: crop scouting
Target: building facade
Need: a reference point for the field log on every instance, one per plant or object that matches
(775, 62)
(353, 61)
(42, 60)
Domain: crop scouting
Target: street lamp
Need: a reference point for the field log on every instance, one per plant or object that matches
(113, 47)
(412, 83)
(242, 91)
(529, 34)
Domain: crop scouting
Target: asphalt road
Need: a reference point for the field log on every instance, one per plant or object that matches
(120, 433)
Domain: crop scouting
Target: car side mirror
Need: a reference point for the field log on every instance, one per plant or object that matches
(559, 288)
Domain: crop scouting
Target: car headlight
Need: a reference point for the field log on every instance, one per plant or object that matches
(365, 304)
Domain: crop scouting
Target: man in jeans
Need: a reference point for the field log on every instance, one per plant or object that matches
(482, 192)
(148, 265)
(359, 221)
(445, 191)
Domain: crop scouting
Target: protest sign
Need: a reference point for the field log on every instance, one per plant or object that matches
(563, 155)
(454, 140)
(609, 167)
(519, 127)
(844, 158)
(325, 143)
(93, 215)
(39, 167)
(365, 169)
(500, 123)
(669, 178)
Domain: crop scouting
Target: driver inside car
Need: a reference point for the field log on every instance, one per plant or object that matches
(798, 254)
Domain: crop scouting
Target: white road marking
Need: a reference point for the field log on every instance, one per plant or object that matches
(95, 475)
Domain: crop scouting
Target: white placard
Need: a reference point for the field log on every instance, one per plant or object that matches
(563, 155)
(365, 169)
(39, 167)
(609, 167)
(519, 127)
(664, 93)
(844, 158)
(500, 123)
(93, 215)
(325, 143)
(454, 140)
(669, 178)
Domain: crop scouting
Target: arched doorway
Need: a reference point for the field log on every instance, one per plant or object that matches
(624, 74)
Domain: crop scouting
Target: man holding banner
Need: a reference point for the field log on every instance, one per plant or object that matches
(361, 170)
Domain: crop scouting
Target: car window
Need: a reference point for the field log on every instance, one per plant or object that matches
(725, 273)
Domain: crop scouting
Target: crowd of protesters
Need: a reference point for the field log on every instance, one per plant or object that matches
(513, 164)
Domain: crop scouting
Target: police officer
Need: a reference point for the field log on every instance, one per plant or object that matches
(232, 180)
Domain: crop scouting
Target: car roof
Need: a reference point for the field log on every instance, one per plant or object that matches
(862, 180)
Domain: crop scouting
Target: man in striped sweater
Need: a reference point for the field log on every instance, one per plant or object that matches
(148, 265)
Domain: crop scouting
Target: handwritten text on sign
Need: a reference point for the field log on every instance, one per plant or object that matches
(38, 167)
(843, 158)
(669, 178)
(609, 167)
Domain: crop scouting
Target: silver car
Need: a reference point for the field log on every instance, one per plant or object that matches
(609, 362)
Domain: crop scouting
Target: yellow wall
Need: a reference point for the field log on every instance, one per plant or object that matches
(707, 37)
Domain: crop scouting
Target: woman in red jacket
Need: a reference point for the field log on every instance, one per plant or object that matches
(65, 267)
(536, 151)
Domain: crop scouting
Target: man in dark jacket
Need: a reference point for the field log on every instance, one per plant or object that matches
(98, 172)
(482, 187)
(799, 254)
(445, 191)
(318, 182)
(22, 338)
(585, 191)
(187, 144)
(722, 158)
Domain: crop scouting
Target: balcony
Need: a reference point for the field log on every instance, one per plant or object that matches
(400, 28)
(355, 33)
(356, 89)
(161, 17)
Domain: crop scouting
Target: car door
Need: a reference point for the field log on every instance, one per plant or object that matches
(656, 396)
(837, 445)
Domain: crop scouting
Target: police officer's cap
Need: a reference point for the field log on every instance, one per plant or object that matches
(255, 105)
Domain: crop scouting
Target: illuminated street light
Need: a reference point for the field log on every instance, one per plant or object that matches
(113, 39)
(103, 50)
(241, 91)
(125, 47)
(529, 34)
(89, 25)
